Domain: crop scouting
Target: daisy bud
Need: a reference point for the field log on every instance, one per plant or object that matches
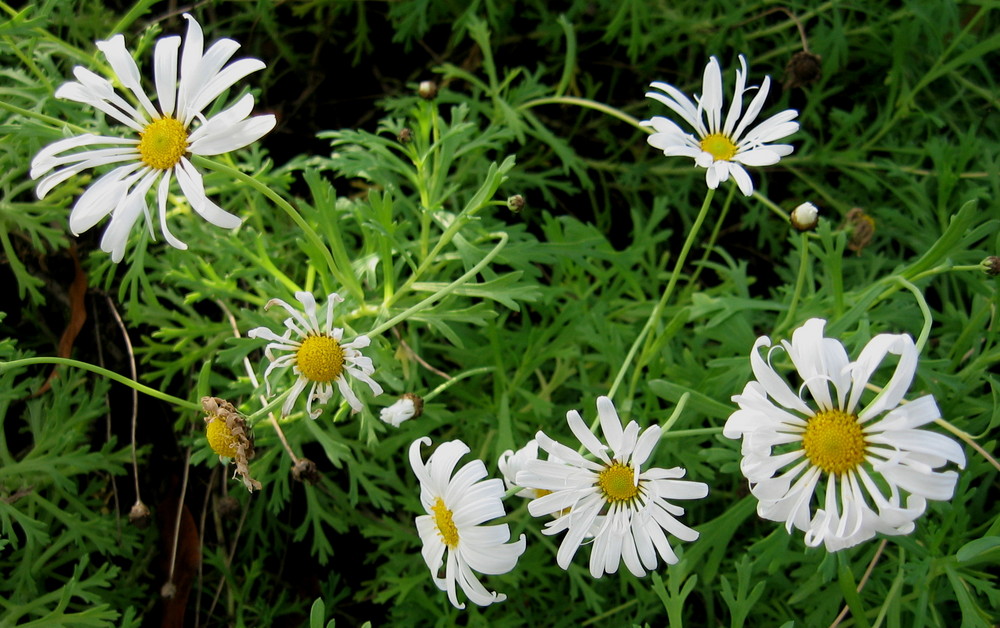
(408, 407)
(515, 203)
(991, 265)
(427, 90)
(804, 217)
(405, 135)
(305, 471)
(139, 515)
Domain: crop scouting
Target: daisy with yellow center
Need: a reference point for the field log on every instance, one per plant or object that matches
(721, 148)
(858, 459)
(165, 135)
(318, 355)
(456, 506)
(612, 499)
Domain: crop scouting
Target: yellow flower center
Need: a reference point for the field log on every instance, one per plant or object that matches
(834, 442)
(163, 143)
(617, 482)
(445, 525)
(221, 439)
(320, 359)
(719, 146)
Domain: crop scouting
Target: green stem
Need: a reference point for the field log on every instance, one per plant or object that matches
(971, 442)
(800, 281)
(589, 104)
(139, 9)
(443, 291)
(296, 217)
(55, 123)
(658, 309)
(464, 375)
(152, 392)
(715, 234)
(768, 203)
(925, 331)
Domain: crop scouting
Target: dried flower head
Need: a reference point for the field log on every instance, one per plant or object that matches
(229, 436)
(803, 68)
(305, 471)
(860, 228)
(139, 514)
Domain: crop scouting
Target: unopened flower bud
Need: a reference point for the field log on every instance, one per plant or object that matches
(408, 407)
(991, 265)
(427, 89)
(515, 203)
(305, 471)
(405, 135)
(804, 217)
(139, 515)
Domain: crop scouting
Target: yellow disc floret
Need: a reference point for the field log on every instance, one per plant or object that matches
(718, 146)
(617, 482)
(163, 143)
(221, 439)
(834, 442)
(446, 527)
(320, 358)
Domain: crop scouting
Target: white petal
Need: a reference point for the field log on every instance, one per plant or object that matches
(98, 200)
(870, 359)
(127, 71)
(161, 198)
(585, 436)
(236, 136)
(221, 82)
(194, 189)
(711, 97)
(165, 72)
(124, 216)
(775, 386)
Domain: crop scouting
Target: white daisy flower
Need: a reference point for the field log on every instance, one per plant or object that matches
(409, 406)
(623, 507)
(857, 457)
(319, 356)
(511, 463)
(166, 133)
(722, 148)
(456, 506)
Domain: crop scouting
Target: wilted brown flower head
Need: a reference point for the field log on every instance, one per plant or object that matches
(229, 436)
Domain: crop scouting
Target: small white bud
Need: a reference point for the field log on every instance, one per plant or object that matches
(804, 216)
(408, 407)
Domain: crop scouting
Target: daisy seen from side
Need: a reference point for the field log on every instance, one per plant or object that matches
(623, 506)
(317, 353)
(859, 459)
(165, 135)
(454, 539)
(723, 148)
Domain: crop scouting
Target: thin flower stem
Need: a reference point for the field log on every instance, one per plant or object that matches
(180, 512)
(135, 393)
(443, 292)
(589, 104)
(676, 414)
(715, 234)
(152, 392)
(800, 281)
(55, 123)
(698, 431)
(457, 378)
(864, 581)
(925, 331)
(346, 277)
(968, 440)
(134, 13)
(658, 309)
(768, 203)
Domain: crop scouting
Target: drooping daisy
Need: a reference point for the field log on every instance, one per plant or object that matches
(623, 507)
(456, 506)
(229, 437)
(166, 133)
(319, 356)
(857, 458)
(408, 406)
(722, 148)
